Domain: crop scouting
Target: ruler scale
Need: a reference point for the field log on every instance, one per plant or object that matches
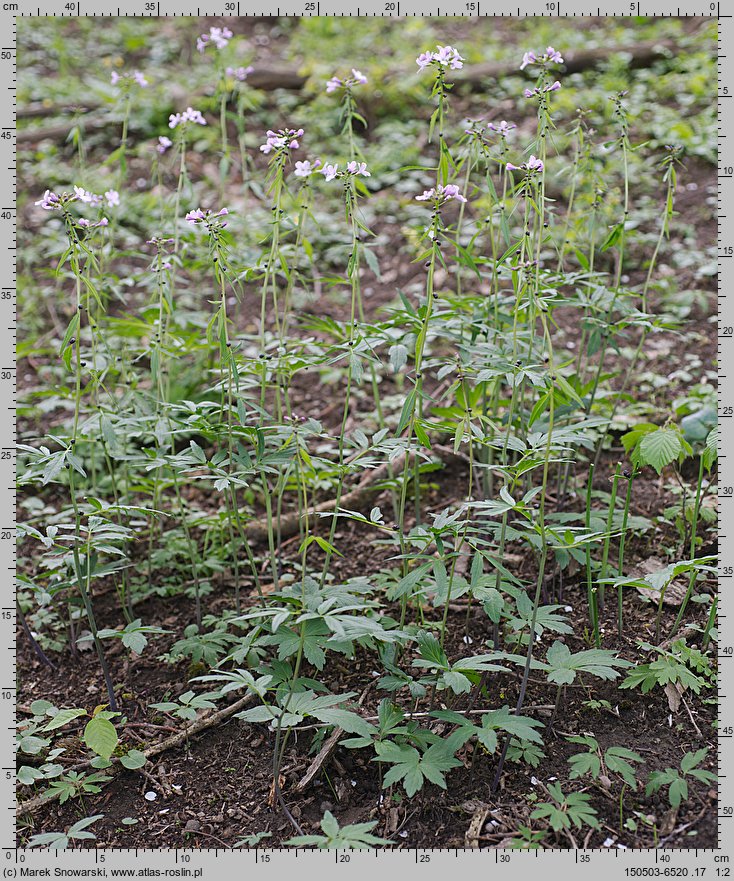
(709, 864)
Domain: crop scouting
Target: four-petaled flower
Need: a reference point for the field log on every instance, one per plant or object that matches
(85, 196)
(306, 168)
(502, 127)
(189, 115)
(49, 201)
(330, 172)
(444, 56)
(358, 168)
(163, 144)
(112, 197)
(441, 194)
(356, 79)
(218, 36)
(528, 58)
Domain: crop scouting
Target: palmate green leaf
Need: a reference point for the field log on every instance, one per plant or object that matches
(432, 655)
(584, 763)
(356, 836)
(412, 768)
(562, 666)
(490, 723)
(659, 448)
(618, 759)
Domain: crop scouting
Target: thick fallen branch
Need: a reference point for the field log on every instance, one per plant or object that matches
(203, 723)
(257, 530)
(473, 77)
(640, 55)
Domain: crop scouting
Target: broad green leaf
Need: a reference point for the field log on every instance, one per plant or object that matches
(100, 736)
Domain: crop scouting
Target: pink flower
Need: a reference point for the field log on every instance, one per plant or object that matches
(281, 141)
(87, 224)
(356, 79)
(306, 168)
(333, 84)
(218, 36)
(239, 73)
(207, 217)
(502, 127)
(424, 59)
(358, 168)
(444, 56)
(533, 164)
(330, 172)
(553, 87)
(113, 198)
(49, 201)
(551, 56)
(441, 194)
(85, 196)
(189, 115)
(126, 79)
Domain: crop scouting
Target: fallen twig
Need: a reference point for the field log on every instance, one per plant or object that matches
(32, 805)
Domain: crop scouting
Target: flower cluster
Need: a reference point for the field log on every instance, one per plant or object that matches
(210, 218)
(553, 87)
(479, 129)
(356, 79)
(88, 224)
(126, 79)
(283, 139)
(533, 164)
(239, 73)
(85, 196)
(441, 194)
(163, 144)
(353, 168)
(189, 115)
(444, 56)
(306, 168)
(51, 201)
(502, 128)
(161, 246)
(218, 36)
(551, 55)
